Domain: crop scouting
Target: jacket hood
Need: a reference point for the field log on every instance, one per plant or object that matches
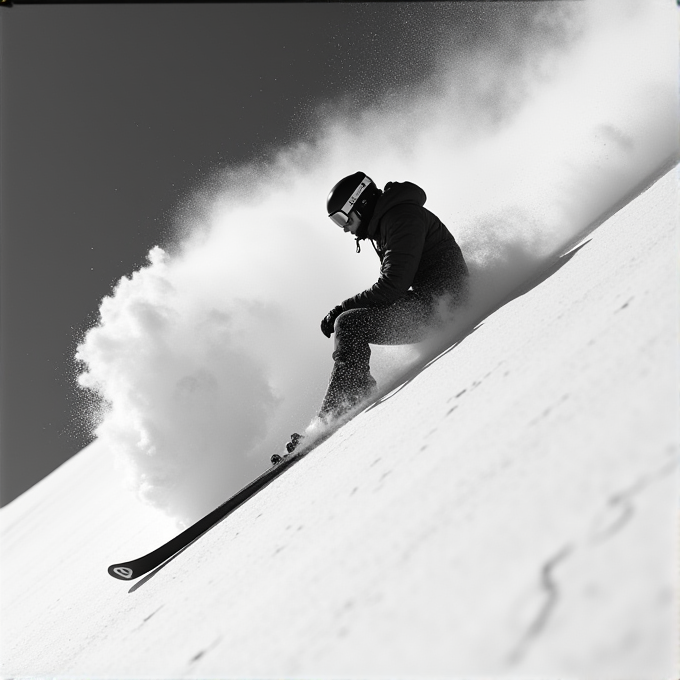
(395, 193)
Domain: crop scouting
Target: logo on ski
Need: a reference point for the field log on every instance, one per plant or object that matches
(123, 572)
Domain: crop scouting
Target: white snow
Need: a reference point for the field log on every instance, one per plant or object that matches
(509, 510)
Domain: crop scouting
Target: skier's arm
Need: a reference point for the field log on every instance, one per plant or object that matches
(405, 230)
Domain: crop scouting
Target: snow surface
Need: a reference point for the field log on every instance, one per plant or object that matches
(508, 510)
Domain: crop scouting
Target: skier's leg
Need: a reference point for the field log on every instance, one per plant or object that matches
(407, 321)
(402, 323)
(351, 381)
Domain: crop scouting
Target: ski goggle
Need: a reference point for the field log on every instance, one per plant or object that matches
(341, 217)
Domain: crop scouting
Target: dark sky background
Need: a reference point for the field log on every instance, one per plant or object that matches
(111, 116)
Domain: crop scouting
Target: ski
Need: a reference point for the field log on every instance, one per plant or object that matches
(127, 571)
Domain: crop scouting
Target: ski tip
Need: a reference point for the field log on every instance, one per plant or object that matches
(121, 572)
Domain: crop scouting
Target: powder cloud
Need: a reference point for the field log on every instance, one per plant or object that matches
(207, 358)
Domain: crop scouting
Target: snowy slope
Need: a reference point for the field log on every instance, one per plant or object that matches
(510, 509)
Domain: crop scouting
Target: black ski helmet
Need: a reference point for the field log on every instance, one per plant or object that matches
(356, 193)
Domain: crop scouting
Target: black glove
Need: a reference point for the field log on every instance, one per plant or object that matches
(328, 322)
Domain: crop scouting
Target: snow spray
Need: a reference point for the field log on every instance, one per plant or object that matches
(206, 359)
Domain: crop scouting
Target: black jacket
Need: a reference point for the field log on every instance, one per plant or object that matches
(415, 249)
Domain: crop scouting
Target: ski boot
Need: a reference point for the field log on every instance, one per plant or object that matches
(346, 390)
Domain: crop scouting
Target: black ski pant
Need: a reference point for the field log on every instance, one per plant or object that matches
(408, 320)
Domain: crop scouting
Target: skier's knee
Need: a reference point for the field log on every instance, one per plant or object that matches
(344, 321)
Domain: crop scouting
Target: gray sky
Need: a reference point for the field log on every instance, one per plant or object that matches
(111, 115)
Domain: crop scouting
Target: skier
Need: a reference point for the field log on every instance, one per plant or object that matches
(420, 265)
(420, 262)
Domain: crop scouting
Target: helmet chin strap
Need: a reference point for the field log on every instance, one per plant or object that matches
(362, 233)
